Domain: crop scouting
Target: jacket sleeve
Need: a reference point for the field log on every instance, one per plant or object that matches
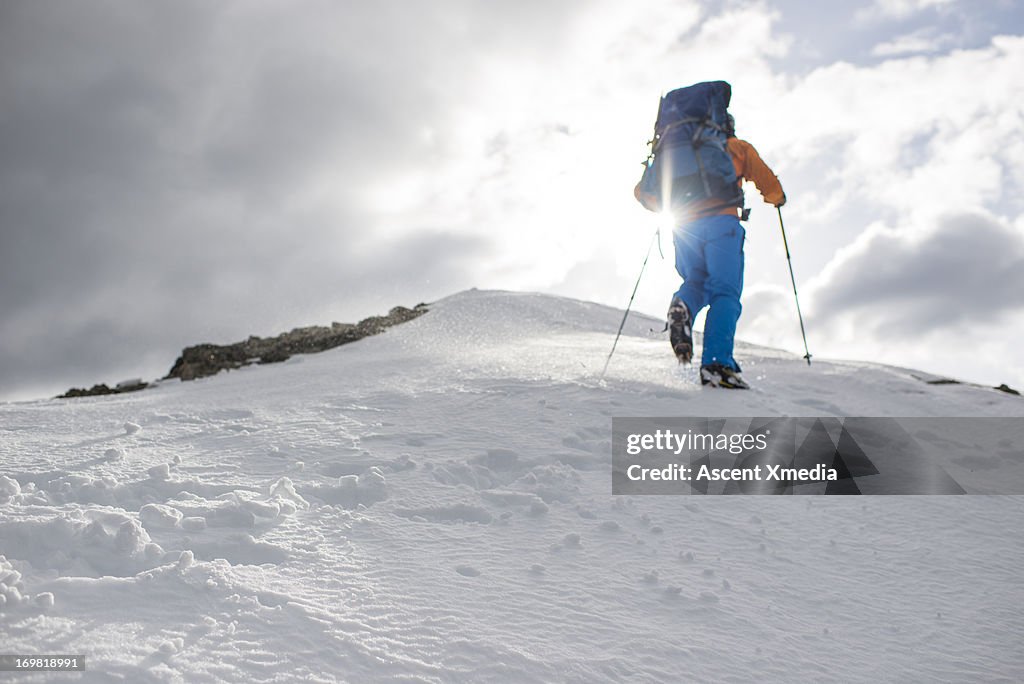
(751, 167)
(645, 191)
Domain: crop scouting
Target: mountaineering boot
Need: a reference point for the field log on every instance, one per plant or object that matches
(718, 375)
(681, 330)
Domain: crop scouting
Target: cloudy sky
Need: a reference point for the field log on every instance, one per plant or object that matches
(180, 172)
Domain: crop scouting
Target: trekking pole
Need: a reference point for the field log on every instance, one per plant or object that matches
(655, 237)
(785, 243)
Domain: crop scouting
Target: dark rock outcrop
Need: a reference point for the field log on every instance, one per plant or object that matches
(203, 360)
(101, 389)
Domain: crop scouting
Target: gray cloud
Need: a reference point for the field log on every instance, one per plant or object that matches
(968, 269)
(155, 160)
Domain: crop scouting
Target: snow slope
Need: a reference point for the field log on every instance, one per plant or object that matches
(433, 504)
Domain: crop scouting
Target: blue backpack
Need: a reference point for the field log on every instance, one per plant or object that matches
(689, 161)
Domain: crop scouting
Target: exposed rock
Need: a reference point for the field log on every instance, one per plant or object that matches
(203, 360)
(933, 380)
(93, 391)
(101, 389)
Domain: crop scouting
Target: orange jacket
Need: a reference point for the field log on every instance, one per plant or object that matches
(749, 166)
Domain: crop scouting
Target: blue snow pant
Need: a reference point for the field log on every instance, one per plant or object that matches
(709, 257)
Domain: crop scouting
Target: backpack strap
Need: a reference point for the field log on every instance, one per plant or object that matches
(704, 122)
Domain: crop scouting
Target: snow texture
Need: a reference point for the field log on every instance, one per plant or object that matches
(433, 505)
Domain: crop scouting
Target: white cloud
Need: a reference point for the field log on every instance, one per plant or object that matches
(922, 41)
(899, 9)
(936, 132)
